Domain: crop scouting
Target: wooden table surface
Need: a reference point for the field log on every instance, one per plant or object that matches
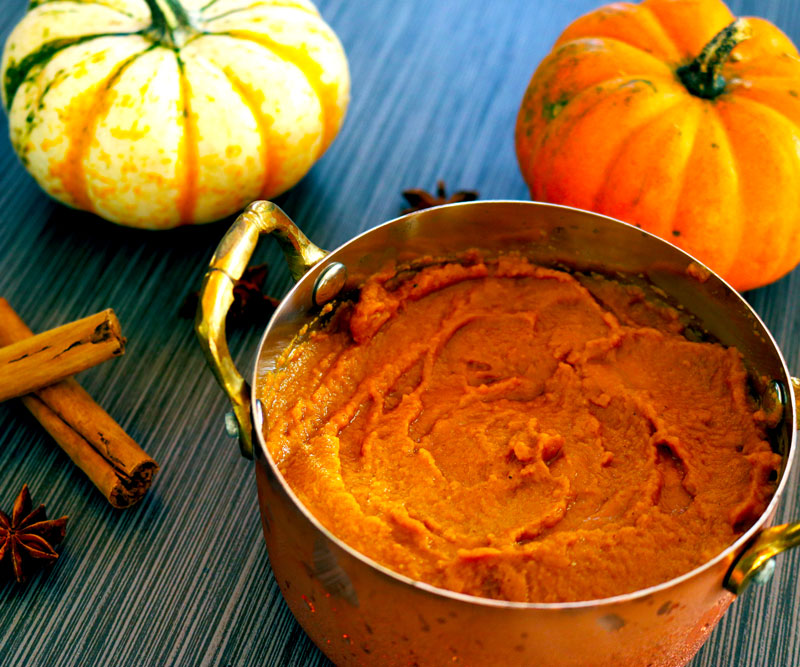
(183, 578)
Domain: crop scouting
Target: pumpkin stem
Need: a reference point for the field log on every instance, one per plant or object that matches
(702, 76)
(172, 26)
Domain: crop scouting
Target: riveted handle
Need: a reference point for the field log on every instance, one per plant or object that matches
(757, 558)
(756, 562)
(216, 296)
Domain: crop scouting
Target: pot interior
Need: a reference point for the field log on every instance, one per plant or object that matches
(560, 237)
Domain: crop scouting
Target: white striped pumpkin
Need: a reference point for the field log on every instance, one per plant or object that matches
(156, 113)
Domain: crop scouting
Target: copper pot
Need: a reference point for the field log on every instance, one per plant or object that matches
(359, 612)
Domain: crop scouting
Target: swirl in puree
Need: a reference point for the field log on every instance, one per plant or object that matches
(511, 431)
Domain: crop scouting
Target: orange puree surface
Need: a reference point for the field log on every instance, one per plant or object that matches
(515, 432)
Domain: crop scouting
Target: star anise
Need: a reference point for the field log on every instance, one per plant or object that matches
(420, 199)
(250, 305)
(27, 538)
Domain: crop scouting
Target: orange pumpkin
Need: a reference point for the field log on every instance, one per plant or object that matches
(676, 117)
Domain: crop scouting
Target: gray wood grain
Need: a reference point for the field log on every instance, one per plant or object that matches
(184, 578)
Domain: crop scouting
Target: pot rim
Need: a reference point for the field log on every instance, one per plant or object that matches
(258, 421)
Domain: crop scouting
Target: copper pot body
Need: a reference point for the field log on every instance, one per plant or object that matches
(361, 613)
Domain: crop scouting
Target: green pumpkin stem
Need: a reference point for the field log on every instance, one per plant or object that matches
(702, 77)
(172, 25)
(180, 13)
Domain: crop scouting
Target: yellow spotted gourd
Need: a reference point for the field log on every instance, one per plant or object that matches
(157, 113)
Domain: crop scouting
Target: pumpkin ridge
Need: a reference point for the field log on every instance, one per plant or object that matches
(187, 198)
(723, 261)
(632, 20)
(778, 267)
(733, 256)
(557, 94)
(665, 75)
(263, 122)
(40, 3)
(277, 3)
(287, 4)
(673, 218)
(661, 69)
(632, 138)
(314, 78)
(640, 51)
(564, 104)
(780, 264)
(21, 142)
(17, 73)
(72, 175)
(556, 123)
(677, 33)
(770, 109)
(662, 29)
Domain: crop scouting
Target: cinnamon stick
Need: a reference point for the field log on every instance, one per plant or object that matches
(32, 362)
(99, 446)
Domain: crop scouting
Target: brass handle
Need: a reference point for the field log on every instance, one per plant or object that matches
(216, 296)
(767, 545)
(756, 561)
(796, 387)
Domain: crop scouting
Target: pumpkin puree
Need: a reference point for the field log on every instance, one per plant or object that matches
(515, 432)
